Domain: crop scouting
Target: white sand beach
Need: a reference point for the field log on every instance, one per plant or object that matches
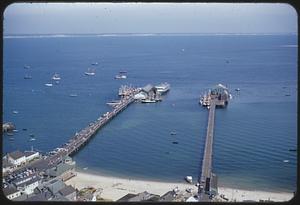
(241, 195)
(114, 188)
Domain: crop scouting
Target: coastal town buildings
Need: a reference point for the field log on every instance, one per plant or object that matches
(16, 158)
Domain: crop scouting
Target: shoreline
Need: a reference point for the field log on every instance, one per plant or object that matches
(114, 188)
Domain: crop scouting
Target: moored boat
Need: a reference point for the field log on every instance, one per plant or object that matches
(121, 75)
(90, 72)
(189, 179)
(56, 77)
(163, 87)
(148, 101)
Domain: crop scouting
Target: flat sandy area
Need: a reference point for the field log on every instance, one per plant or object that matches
(114, 188)
(240, 195)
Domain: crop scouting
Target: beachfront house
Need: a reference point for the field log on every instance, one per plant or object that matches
(143, 196)
(68, 192)
(17, 158)
(64, 169)
(169, 196)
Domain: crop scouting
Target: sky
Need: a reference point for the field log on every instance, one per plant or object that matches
(104, 18)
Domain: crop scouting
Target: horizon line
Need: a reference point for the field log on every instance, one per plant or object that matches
(133, 34)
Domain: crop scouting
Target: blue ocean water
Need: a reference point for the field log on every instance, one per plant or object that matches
(252, 135)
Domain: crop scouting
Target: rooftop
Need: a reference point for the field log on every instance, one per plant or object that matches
(148, 88)
(67, 190)
(6, 163)
(16, 154)
(127, 197)
(29, 153)
(26, 181)
(9, 190)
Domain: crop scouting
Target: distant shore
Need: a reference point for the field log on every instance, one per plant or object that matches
(113, 188)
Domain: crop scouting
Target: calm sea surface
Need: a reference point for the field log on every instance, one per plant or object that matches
(253, 134)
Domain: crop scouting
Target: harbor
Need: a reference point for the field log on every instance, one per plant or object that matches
(128, 95)
(93, 117)
(207, 182)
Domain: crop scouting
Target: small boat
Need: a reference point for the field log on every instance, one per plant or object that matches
(90, 72)
(189, 179)
(292, 150)
(31, 139)
(10, 134)
(148, 101)
(85, 168)
(49, 84)
(286, 161)
(114, 102)
(287, 95)
(26, 66)
(24, 129)
(73, 95)
(121, 75)
(175, 142)
(31, 135)
(27, 77)
(15, 112)
(94, 63)
(56, 77)
(237, 89)
(173, 133)
(15, 130)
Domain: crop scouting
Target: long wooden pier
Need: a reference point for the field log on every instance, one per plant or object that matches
(207, 181)
(206, 171)
(82, 137)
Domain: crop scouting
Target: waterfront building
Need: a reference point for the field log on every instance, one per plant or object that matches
(192, 199)
(68, 192)
(140, 96)
(65, 169)
(143, 196)
(17, 158)
(54, 185)
(169, 196)
(148, 90)
(6, 166)
(53, 190)
(31, 155)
